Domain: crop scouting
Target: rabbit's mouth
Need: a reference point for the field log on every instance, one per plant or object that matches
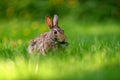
(63, 43)
(59, 42)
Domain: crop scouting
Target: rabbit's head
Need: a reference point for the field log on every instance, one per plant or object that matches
(56, 33)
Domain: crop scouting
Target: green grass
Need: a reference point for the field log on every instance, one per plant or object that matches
(93, 52)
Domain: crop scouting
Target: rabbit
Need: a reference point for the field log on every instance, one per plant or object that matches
(48, 40)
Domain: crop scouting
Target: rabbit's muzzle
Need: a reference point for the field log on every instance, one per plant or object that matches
(61, 38)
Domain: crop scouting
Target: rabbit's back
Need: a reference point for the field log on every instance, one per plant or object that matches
(42, 43)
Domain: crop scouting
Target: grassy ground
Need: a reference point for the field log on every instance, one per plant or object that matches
(93, 51)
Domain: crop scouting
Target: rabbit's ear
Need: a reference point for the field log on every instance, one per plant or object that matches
(55, 20)
(49, 22)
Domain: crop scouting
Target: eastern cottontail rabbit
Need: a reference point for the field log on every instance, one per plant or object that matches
(49, 40)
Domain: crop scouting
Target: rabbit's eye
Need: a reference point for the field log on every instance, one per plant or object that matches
(55, 32)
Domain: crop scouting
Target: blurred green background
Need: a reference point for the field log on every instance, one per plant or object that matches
(99, 10)
(92, 28)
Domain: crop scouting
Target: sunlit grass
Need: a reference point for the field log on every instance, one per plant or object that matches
(54, 68)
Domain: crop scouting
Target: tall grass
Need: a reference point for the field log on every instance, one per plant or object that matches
(93, 52)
